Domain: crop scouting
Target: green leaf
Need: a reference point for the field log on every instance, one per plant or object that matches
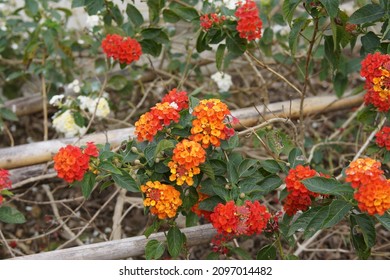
(295, 157)
(186, 13)
(77, 3)
(316, 222)
(269, 183)
(170, 16)
(209, 203)
(293, 37)
(340, 83)
(124, 180)
(367, 13)
(155, 6)
(303, 220)
(155, 34)
(107, 166)
(11, 215)
(154, 249)
(87, 184)
(175, 240)
(271, 166)
(219, 166)
(32, 7)
(208, 170)
(117, 82)
(152, 228)
(149, 153)
(245, 166)
(162, 146)
(358, 241)
(219, 56)
(337, 211)
(231, 143)
(78, 118)
(232, 173)
(326, 186)
(236, 45)
(213, 256)
(94, 6)
(331, 7)
(384, 220)
(151, 47)
(7, 114)
(134, 15)
(268, 252)
(370, 42)
(366, 227)
(288, 9)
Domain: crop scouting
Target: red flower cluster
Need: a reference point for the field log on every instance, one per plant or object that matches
(230, 219)
(162, 114)
(177, 99)
(373, 190)
(208, 20)
(249, 23)
(124, 49)
(299, 197)
(195, 207)
(72, 162)
(5, 182)
(376, 70)
(383, 138)
(209, 126)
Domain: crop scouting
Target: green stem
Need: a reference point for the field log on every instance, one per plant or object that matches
(280, 248)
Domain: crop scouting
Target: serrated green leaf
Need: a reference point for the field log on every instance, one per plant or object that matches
(324, 185)
(295, 158)
(269, 183)
(358, 241)
(107, 166)
(367, 13)
(366, 227)
(241, 253)
(186, 13)
(245, 166)
(331, 7)
(87, 184)
(340, 83)
(152, 228)
(384, 220)
(219, 166)
(232, 173)
(236, 45)
(11, 215)
(219, 55)
(155, 34)
(124, 180)
(293, 37)
(162, 146)
(209, 203)
(271, 166)
(175, 239)
(337, 211)
(154, 249)
(170, 16)
(288, 9)
(268, 252)
(208, 170)
(134, 15)
(316, 222)
(94, 6)
(303, 220)
(151, 47)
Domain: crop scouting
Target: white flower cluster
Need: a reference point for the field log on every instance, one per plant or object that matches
(65, 123)
(93, 21)
(56, 100)
(89, 104)
(223, 81)
(75, 86)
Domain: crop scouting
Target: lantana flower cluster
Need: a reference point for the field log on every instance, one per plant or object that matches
(247, 219)
(376, 70)
(163, 200)
(5, 182)
(383, 138)
(299, 198)
(65, 123)
(249, 23)
(123, 49)
(372, 188)
(209, 20)
(72, 162)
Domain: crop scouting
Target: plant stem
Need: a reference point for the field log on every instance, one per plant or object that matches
(280, 248)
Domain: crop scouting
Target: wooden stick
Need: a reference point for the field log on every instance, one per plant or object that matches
(39, 152)
(122, 249)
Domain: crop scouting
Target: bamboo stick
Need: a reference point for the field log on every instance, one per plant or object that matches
(122, 249)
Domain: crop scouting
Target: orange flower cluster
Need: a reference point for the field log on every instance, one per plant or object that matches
(249, 23)
(373, 190)
(5, 182)
(230, 219)
(195, 207)
(163, 200)
(72, 162)
(162, 114)
(362, 171)
(124, 49)
(376, 70)
(383, 138)
(177, 98)
(209, 128)
(299, 197)
(187, 156)
(208, 20)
